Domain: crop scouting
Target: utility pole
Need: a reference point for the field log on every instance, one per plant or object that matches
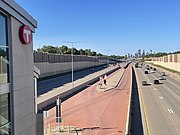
(72, 61)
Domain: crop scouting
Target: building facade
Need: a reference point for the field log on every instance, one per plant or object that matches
(17, 112)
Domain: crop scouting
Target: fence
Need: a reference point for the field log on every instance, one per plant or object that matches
(169, 58)
(170, 61)
(40, 57)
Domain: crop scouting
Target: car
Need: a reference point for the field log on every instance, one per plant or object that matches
(146, 72)
(144, 83)
(156, 81)
(154, 69)
(161, 78)
(92, 69)
(163, 74)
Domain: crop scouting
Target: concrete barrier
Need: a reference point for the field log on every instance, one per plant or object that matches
(49, 69)
(128, 119)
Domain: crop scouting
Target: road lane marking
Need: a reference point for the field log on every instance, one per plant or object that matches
(170, 110)
(160, 97)
(155, 88)
(143, 104)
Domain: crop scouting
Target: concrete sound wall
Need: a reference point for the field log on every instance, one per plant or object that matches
(170, 65)
(48, 69)
(170, 61)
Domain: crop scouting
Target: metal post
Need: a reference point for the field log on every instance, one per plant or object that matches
(1, 71)
(58, 112)
(72, 66)
(58, 116)
(72, 63)
(35, 93)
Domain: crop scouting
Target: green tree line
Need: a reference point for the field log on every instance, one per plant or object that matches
(65, 50)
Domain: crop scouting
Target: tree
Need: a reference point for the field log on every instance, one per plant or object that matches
(93, 53)
(49, 49)
(88, 52)
(2, 52)
(76, 52)
(82, 52)
(99, 54)
(63, 49)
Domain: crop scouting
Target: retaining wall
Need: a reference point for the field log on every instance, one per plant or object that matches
(48, 69)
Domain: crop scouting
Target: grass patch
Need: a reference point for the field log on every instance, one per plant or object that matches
(168, 69)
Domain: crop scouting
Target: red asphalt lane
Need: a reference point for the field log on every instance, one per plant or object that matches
(99, 113)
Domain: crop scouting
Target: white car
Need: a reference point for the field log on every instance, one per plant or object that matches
(161, 78)
(152, 71)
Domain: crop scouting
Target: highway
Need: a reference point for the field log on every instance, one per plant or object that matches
(47, 85)
(161, 104)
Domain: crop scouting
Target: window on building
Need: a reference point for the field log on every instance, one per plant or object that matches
(4, 114)
(3, 51)
(4, 65)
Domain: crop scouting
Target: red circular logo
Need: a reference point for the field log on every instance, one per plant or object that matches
(25, 34)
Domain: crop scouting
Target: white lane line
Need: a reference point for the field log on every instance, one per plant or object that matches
(160, 97)
(170, 110)
(155, 88)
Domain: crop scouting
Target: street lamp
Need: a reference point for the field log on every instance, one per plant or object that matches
(72, 61)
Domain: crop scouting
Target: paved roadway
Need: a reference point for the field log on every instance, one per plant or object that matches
(47, 85)
(99, 113)
(161, 103)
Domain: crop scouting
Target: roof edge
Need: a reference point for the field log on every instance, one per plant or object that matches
(14, 5)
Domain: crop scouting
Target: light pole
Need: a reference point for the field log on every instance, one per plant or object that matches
(72, 61)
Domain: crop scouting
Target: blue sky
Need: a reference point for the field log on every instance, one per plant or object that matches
(119, 26)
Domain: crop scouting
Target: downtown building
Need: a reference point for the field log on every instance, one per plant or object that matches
(17, 111)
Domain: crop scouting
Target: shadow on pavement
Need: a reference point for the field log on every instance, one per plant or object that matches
(136, 118)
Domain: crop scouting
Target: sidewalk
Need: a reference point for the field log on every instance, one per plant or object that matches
(112, 81)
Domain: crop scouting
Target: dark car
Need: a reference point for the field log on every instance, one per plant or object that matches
(136, 65)
(154, 69)
(144, 83)
(156, 81)
(146, 72)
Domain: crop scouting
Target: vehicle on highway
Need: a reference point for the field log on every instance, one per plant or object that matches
(161, 78)
(136, 65)
(156, 81)
(145, 72)
(92, 69)
(163, 74)
(144, 83)
(154, 69)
